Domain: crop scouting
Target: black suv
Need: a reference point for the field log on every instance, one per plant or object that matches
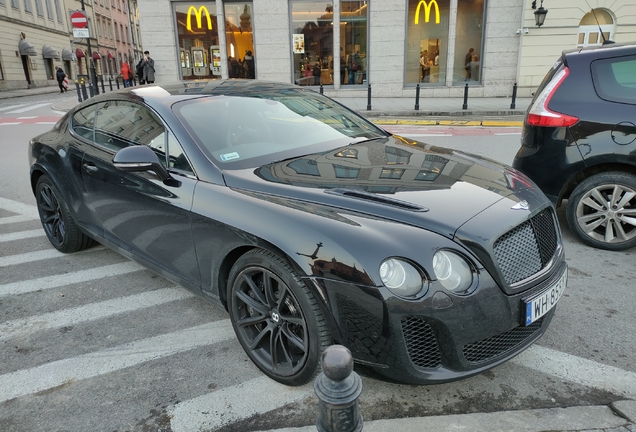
(579, 142)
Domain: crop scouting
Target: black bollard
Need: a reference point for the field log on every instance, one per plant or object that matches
(110, 83)
(465, 106)
(117, 82)
(514, 96)
(77, 87)
(321, 89)
(84, 94)
(369, 98)
(338, 389)
(417, 97)
(101, 79)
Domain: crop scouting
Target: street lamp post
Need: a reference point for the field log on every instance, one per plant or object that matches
(90, 58)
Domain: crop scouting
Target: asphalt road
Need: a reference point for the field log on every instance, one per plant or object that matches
(91, 341)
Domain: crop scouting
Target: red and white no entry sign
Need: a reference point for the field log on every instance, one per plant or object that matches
(78, 19)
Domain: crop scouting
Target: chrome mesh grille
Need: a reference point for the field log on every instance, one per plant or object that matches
(421, 343)
(527, 248)
(486, 349)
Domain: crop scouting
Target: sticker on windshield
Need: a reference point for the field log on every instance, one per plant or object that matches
(229, 156)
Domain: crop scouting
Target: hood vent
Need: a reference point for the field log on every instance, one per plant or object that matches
(378, 199)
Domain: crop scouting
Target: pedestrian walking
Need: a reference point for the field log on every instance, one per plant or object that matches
(60, 75)
(126, 74)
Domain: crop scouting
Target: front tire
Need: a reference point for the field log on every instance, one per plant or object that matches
(59, 226)
(276, 318)
(602, 211)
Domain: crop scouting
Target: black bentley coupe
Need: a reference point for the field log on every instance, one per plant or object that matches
(309, 224)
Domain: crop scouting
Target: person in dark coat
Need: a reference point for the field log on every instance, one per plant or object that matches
(250, 71)
(60, 75)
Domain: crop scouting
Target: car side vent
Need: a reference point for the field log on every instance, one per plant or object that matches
(378, 199)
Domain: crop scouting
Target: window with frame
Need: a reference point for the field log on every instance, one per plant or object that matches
(49, 9)
(304, 167)
(312, 44)
(116, 32)
(346, 172)
(58, 11)
(353, 42)
(427, 41)
(27, 6)
(2, 2)
(589, 33)
(38, 8)
(15, 4)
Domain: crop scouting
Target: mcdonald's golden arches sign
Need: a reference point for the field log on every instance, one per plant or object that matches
(198, 13)
(427, 11)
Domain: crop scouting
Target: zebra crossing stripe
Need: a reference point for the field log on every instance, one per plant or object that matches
(228, 405)
(11, 107)
(28, 108)
(17, 219)
(19, 208)
(54, 374)
(39, 255)
(21, 235)
(90, 312)
(48, 282)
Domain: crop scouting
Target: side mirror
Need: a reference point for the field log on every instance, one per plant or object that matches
(140, 158)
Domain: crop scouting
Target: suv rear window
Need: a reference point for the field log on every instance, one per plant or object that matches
(615, 79)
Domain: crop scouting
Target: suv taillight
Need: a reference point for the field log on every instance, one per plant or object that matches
(540, 115)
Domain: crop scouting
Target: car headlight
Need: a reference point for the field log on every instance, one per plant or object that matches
(401, 278)
(452, 271)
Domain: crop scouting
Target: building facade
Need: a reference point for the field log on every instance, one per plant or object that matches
(36, 36)
(34, 39)
(394, 45)
(570, 24)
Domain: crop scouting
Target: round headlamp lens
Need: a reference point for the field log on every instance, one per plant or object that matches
(401, 278)
(453, 272)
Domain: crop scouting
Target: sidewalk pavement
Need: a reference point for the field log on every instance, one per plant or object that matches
(384, 111)
(618, 417)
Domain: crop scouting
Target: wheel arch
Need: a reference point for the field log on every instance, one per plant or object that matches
(568, 188)
(233, 256)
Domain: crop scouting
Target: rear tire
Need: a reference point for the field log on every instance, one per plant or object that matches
(59, 226)
(276, 318)
(601, 211)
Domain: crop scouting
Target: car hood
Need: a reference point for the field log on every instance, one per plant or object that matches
(394, 178)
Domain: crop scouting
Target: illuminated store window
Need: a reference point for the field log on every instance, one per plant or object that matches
(312, 42)
(468, 41)
(353, 42)
(198, 35)
(427, 41)
(240, 40)
(589, 34)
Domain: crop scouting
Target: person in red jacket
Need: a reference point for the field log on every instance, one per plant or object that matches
(126, 74)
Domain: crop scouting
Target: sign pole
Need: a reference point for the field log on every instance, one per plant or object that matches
(90, 59)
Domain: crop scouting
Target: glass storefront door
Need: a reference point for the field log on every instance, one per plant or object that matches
(353, 42)
(312, 43)
(198, 35)
(468, 41)
(427, 41)
(240, 40)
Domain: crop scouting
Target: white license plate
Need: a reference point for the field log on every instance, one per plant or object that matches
(539, 305)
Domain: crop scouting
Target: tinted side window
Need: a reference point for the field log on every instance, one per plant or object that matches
(615, 79)
(84, 120)
(121, 124)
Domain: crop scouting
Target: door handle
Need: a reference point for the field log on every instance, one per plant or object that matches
(89, 168)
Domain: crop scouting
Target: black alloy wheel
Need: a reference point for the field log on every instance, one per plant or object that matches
(276, 318)
(602, 211)
(59, 226)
